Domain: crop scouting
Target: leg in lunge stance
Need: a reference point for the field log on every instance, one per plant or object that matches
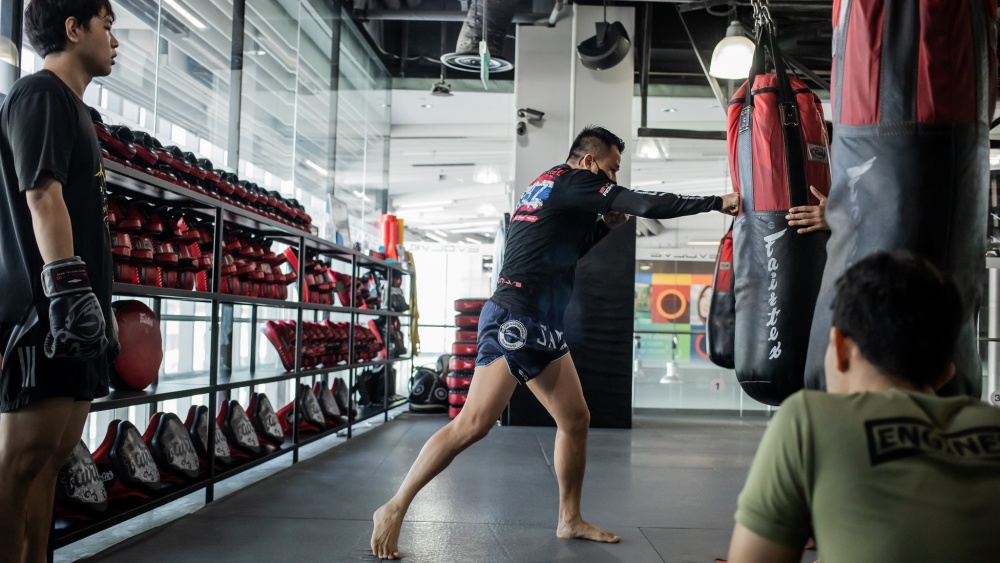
(491, 389)
(558, 389)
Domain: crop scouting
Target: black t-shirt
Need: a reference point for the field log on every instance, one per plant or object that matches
(555, 223)
(46, 132)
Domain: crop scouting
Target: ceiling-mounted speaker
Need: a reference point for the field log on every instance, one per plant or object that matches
(607, 48)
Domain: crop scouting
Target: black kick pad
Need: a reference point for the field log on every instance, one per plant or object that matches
(265, 420)
(198, 430)
(172, 447)
(238, 428)
(79, 484)
(131, 461)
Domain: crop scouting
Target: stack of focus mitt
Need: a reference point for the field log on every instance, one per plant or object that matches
(143, 152)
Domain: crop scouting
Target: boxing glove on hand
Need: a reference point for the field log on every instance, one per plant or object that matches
(76, 321)
(114, 345)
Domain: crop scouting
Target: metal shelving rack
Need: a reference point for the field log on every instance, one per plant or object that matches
(130, 182)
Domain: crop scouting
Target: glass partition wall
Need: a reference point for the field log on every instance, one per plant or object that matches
(291, 97)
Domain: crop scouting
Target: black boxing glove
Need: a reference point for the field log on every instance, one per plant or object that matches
(76, 321)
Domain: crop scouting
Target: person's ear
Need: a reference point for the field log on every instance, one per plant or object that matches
(842, 346)
(949, 374)
(73, 30)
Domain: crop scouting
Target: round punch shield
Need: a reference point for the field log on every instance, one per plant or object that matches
(913, 102)
(464, 348)
(470, 305)
(721, 329)
(462, 363)
(467, 321)
(777, 149)
(138, 363)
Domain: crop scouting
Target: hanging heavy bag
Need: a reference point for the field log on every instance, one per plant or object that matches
(722, 308)
(777, 149)
(913, 97)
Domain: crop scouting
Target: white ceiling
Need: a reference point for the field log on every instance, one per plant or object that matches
(456, 158)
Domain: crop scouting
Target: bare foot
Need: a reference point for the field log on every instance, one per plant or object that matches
(581, 529)
(385, 538)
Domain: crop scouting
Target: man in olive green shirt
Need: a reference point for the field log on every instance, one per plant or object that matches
(879, 469)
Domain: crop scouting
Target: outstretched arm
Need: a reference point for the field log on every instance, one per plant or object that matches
(663, 205)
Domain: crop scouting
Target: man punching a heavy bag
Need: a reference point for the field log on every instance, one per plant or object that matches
(56, 329)
(914, 92)
(560, 217)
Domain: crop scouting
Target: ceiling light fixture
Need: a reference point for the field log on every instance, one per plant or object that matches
(182, 12)
(486, 174)
(436, 238)
(418, 211)
(418, 204)
(441, 233)
(733, 55)
(319, 169)
(468, 224)
(426, 106)
(472, 240)
(669, 110)
(361, 195)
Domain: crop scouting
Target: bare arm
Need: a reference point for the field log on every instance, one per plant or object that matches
(749, 547)
(50, 220)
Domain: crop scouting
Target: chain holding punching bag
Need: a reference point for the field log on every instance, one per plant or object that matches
(914, 85)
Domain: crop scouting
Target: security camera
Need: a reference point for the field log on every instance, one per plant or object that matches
(522, 128)
(532, 114)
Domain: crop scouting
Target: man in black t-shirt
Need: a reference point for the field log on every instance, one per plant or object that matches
(57, 329)
(561, 216)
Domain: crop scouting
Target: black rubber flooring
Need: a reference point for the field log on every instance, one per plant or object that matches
(668, 486)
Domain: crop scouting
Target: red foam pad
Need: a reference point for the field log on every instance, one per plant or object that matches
(470, 305)
(458, 382)
(466, 336)
(467, 321)
(464, 348)
(462, 363)
(458, 397)
(453, 411)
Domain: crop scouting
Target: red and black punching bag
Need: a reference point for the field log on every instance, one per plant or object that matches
(138, 363)
(777, 149)
(722, 309)
(914, 90)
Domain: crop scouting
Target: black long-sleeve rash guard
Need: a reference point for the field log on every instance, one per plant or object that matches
(557, 221)
(661, 205)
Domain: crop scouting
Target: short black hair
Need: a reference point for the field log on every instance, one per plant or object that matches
(45, 21)
(903, 313)
(594, 140)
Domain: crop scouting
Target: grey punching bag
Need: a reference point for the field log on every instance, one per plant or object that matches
(913, 97)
